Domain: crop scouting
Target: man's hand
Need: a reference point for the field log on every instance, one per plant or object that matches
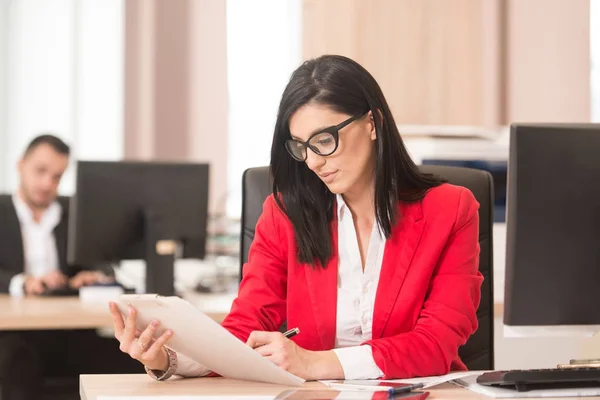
(85, 278)
(37, 285)
(54, 279)
(33, 286)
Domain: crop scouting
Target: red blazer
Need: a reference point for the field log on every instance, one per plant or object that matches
(427, 296)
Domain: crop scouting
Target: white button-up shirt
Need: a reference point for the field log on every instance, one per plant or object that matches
(355, 302)
(39, 244)
(356, 296)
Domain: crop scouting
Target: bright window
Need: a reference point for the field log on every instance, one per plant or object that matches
(61, 71)
(263, 49)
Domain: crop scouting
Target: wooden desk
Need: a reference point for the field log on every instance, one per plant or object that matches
(93, 386)
(37, 313)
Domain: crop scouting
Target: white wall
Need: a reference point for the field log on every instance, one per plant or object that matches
(64, 71)
(40, 70)
(99, 101)
(263, 49)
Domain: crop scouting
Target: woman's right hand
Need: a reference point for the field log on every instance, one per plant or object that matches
(141, 345)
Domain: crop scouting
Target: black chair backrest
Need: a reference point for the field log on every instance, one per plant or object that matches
(478, 352)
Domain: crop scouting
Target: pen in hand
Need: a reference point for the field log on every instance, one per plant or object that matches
(404, 389)
(288, 334)
(291, 333)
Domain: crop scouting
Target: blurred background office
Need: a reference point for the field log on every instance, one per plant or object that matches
(200, 80)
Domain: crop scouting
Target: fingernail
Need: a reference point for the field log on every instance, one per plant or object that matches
(154, 323)
(169, 333)
(130, 310)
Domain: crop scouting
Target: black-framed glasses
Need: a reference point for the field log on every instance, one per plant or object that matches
(324, 142)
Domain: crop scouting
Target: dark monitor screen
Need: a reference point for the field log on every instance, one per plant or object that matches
(553, 226)
(115, 202)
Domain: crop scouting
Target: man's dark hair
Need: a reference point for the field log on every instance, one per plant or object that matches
(57, 144)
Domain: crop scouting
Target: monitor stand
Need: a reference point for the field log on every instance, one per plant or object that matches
(161, 252)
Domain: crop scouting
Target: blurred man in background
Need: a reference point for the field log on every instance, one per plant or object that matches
(33, 262)
(34, 224)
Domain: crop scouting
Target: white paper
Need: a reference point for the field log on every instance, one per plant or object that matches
(428, 381)
(185, 397)
(470, 382)
(357, 385)
(203, 340)
(99, 294)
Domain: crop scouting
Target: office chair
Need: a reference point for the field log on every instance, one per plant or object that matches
(478, 352)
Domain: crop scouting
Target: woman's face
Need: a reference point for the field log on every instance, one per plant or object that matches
(351, 167)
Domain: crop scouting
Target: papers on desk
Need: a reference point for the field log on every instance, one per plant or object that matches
(470, 382)
(431, 381)
(428, 381)
(185, 397)
(100, 294)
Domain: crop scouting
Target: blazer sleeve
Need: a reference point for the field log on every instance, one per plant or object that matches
(5, 278)
(448, 316)
(261, 301)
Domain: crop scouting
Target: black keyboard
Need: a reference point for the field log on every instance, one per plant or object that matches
(553, 378)
(60, 292)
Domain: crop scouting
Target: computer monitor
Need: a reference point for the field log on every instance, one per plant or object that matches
(139, 210)
(553, 227)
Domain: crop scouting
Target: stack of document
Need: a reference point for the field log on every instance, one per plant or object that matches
(380, 385)
(185, 397)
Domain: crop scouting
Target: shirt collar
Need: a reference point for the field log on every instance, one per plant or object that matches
(342, 210)
(50, 218)
(341, 206)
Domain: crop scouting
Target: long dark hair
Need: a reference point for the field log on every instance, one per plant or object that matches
(343, 85)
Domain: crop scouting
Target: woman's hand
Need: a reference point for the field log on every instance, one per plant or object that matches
(141, 345)
(310, 365)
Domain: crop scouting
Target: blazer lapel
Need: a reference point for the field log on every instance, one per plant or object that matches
(60, 236)
(61, 233)
(15, 238)
(322, 287)
(397, 257)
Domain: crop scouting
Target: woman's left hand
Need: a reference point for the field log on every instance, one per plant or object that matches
(306, 364)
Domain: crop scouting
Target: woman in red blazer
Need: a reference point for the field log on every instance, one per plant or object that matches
(374, 262)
